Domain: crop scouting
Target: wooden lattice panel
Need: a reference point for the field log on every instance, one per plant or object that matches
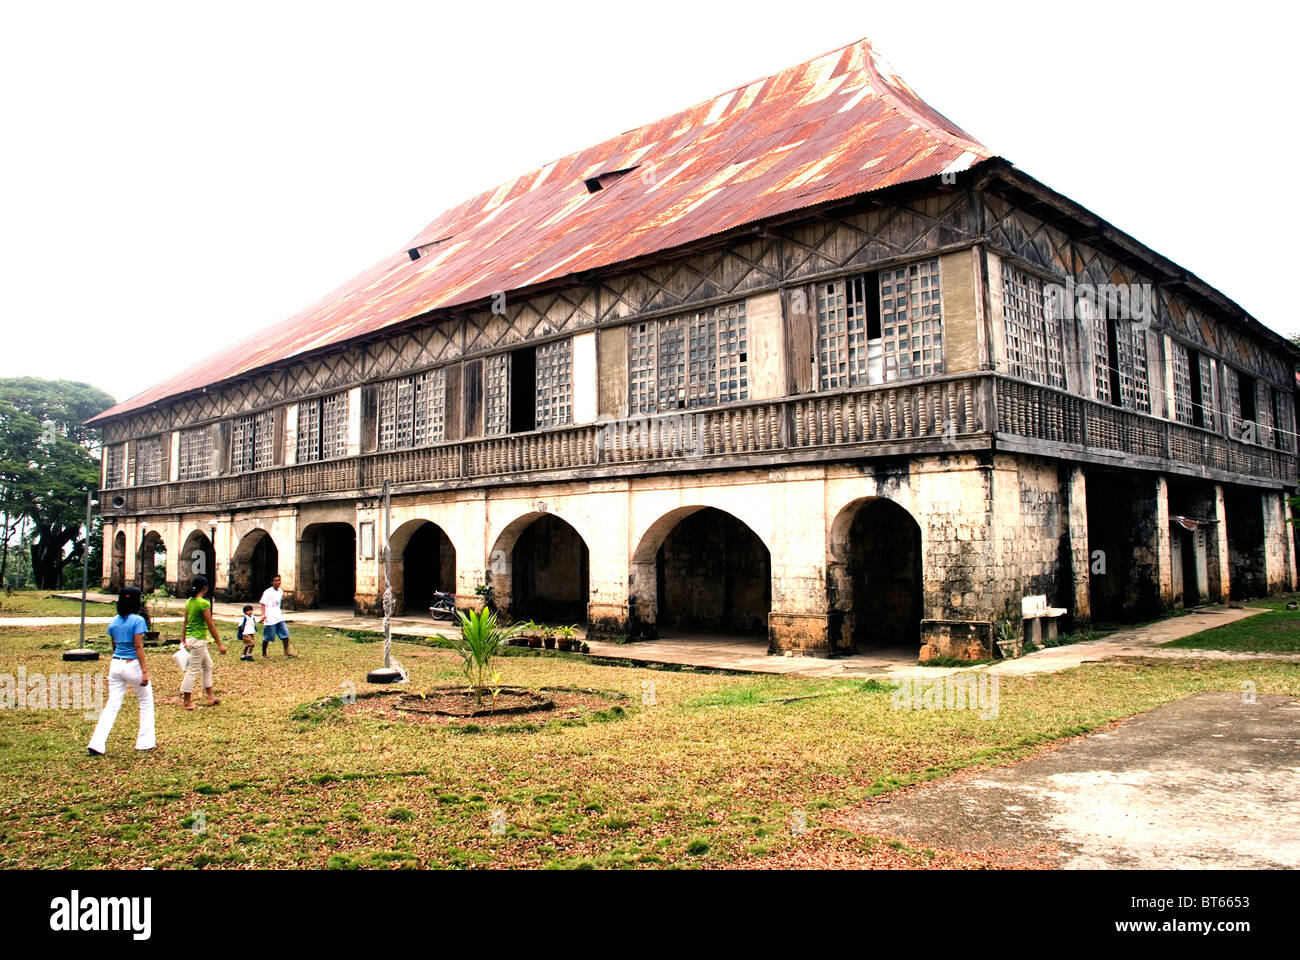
(555, 383)
(149, 461)
(1181, 365)
(413, 410)
(694, 360)
(334, 426)
(309, 431)
(115, 466)
(196, 457)
(496, 394)
(911, 320)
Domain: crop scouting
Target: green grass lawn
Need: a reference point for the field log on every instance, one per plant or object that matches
(710, 774)
(41, 603)
(1277, 631)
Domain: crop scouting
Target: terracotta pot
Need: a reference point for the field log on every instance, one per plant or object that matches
(550, 643)
(565, 644)
(535, 642)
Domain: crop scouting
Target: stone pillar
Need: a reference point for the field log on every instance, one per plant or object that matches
(643, 601)
(1080, 560)
(1279, 546)
(1164, 544)
(1216, 559)
(799, 620)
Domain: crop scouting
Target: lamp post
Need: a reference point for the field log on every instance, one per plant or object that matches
(83, 652)
(387, 673)
(139, 556)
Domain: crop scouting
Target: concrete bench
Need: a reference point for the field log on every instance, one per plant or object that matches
(1040, 620)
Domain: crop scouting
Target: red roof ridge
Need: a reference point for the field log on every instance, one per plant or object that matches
(840, 124)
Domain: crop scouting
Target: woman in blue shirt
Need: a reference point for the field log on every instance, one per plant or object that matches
(128, 669)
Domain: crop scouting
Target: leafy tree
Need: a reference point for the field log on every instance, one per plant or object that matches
(46, 466)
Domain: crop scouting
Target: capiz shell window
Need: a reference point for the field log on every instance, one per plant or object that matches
(149, 461)
(1033, 335)
(252, 442)
(911, 320)
(115, 466)
(196, 449)
(323, 428)
(413, 411)
(694, 360)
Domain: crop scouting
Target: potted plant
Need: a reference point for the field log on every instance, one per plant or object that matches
(585, 647)
(548, 637)
(566, 638)
(524, 634)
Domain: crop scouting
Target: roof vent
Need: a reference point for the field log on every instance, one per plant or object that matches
(602, 180)
(415, 253)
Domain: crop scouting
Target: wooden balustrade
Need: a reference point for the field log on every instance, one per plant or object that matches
(1042, 413)
(936, 410)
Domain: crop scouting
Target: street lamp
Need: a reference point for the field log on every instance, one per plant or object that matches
(387, 673)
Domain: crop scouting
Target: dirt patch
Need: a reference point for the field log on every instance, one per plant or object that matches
(455, 706)
(1208, 781)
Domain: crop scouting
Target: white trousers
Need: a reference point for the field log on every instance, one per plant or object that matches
(123, 674)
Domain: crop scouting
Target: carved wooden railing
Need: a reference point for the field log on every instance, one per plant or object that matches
(1062, 420)
(850, 423)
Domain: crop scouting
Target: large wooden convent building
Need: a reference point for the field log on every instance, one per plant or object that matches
(803, 360)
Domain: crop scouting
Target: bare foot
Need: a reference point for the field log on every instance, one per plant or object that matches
(213, 702)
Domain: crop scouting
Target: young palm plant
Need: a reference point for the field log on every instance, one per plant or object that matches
(481, 638)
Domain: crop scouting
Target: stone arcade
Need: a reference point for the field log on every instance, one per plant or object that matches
(803, 382)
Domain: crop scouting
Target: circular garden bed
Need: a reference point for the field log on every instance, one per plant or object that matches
(456, 706)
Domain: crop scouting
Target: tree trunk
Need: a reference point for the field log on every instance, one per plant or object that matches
(4, 557)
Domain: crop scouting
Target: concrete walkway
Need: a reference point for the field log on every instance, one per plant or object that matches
(1209, 781)
(749, 654)
(69, 621)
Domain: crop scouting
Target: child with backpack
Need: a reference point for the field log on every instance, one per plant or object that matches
(246, 631)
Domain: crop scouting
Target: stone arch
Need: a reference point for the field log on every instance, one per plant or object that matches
(117, 565)
(151, 545)
(198, 557)
(327, 566)
(875, 580)
(423, 560)
(255, 561)
(700, 569)
(539, 569)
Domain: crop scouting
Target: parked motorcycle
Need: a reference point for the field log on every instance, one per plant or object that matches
(444, 606)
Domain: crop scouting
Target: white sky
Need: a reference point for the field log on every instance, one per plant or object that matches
(173, 177)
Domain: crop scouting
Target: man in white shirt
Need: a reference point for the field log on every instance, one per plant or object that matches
(273, 623)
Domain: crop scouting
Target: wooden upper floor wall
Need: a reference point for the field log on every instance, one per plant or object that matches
(774, 270)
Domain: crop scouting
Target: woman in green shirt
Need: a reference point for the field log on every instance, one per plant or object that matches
(198, 625)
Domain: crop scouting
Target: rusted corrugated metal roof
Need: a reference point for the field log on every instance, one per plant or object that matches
(839, 125)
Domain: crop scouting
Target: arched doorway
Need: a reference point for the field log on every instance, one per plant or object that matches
(701, 570)
(117, 565)
(198, 558)
(152, 562)
(539, 570)
(875, 578)
(327, 566)
(256, 561)
(424, 560)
